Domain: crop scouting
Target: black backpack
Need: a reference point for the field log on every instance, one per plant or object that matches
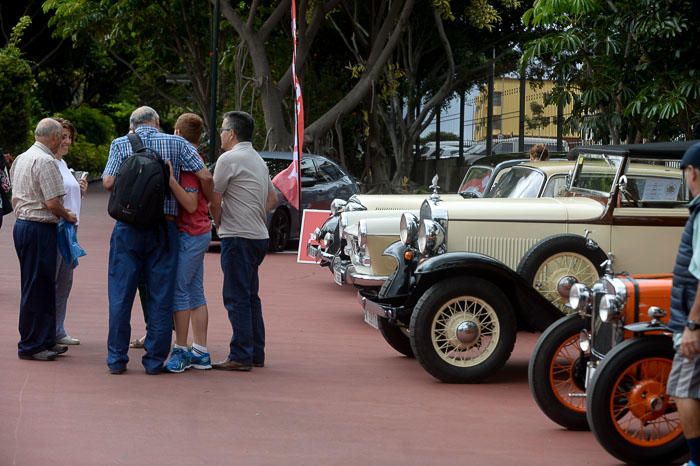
(140, 187)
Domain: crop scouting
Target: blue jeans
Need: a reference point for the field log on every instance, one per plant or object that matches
(134, 252)
(35, 244)
(240, 260)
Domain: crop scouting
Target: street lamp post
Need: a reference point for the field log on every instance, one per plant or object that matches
(213, 141)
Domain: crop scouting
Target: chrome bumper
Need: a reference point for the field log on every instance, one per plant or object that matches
(353, 277)
(377, 309)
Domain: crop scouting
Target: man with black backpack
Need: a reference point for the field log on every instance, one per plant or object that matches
(145, 238)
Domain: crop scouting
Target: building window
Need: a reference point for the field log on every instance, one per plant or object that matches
(497, 98)
(497, 123)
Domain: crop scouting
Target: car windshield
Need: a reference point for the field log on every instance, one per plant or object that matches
(476, 180)
(595, 173)
(519, 182)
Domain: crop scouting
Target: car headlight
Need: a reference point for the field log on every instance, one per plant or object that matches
(579, 297)
(430, 236)
(609, 309)
(362, 233)
(337, 206)
(409, 228)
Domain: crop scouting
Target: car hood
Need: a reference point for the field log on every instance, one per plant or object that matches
(566, 209)
(399, 202)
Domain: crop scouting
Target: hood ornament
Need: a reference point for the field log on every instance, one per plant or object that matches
(435, 196)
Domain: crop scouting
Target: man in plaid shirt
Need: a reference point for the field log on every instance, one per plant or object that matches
(37, 197)
(136, 250)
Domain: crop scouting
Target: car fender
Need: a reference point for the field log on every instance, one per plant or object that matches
(533, 311)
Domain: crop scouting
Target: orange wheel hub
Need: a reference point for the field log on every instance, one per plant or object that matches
(648, 400)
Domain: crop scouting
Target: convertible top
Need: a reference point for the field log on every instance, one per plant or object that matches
(652, 150)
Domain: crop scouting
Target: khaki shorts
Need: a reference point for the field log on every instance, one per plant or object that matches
(684, 379)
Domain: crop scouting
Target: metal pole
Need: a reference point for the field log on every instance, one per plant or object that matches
(437, 136)
(489, 111)
(461, 128)
(213, 130)
(521, 123)
(560, 124)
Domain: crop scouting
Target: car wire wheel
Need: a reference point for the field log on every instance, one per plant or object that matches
(557, 373)
(462, 329)
(557, 262)
(558, 272)
(628, 408)
(643, 411)
(465, 331)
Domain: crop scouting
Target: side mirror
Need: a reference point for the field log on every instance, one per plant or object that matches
(307, 182)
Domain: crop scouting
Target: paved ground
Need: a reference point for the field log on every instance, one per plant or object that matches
(333, 393)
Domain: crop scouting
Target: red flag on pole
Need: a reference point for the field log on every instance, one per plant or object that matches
(287, 181)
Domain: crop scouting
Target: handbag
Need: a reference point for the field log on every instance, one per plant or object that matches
(5, 189)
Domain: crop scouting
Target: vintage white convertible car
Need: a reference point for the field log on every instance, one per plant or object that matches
(470, 274)
(368, 238)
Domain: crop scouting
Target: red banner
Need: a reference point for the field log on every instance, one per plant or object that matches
(287, 181)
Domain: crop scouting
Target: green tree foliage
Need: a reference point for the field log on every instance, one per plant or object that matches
(95, 132)
(162, 45)
(16, 87)
(630, 67)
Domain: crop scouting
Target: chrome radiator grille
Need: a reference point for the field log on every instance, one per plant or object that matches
(604, 335)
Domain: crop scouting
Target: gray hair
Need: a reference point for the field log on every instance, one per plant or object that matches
(142, 115)
(240, 122)
(47, 127)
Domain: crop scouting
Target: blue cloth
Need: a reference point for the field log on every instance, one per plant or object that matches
(35, 244)
(240, 260)
(182, 156)
(68, 243)
(189, 281)
(134, 253)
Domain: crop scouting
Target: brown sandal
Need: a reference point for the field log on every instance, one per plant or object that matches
(138, 343)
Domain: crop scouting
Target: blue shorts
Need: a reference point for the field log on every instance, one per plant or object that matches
(189, 284)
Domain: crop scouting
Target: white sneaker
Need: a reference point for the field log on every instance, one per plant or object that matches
(68, 340)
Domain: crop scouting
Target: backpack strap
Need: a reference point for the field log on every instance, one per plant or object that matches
(135, 140)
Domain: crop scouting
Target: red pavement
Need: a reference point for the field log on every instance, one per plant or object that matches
(332, 393)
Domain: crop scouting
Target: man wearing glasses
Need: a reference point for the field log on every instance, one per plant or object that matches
(243, 194)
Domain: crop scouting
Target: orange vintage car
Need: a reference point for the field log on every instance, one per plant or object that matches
(605, 367)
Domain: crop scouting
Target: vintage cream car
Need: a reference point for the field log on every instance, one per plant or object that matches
(469, 275)
(367, 240)
(326, 243)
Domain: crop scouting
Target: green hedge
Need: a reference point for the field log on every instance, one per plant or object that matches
(16, 86)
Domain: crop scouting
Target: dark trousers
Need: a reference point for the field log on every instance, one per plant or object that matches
(136, 253)
(36, 248)
(240, 260)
